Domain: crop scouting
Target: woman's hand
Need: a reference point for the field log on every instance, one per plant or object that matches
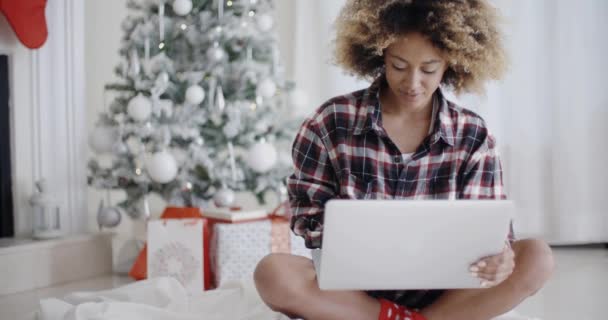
(493, 270)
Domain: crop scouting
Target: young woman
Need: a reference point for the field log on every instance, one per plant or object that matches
(401, 139)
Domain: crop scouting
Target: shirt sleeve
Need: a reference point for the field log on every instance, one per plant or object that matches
(312, 184)
(482, 177)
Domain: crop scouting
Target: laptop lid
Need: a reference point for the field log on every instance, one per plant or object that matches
(409, 244)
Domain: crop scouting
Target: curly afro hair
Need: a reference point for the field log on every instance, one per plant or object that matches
(465, 31)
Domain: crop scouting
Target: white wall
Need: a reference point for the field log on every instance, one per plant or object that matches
(103, 33)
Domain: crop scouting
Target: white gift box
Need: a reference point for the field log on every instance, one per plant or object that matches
(236, 248)
(175, 249)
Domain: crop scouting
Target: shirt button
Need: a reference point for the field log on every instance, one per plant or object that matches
(397, 159)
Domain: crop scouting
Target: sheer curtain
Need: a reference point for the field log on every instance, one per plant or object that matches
(550, 113)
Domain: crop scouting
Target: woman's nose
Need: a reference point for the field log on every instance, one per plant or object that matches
(411, 81)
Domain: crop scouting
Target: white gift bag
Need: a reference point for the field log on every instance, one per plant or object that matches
(175, 249)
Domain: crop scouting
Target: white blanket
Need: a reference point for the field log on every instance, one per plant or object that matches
(166, 298)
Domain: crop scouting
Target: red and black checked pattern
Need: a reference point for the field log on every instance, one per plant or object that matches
(342, 151)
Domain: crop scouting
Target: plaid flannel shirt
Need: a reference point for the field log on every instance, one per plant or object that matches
(342, 151)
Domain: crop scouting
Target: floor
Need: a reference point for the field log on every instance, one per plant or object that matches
(577, 290)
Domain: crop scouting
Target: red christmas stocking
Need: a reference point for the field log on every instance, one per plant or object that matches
(27, 20)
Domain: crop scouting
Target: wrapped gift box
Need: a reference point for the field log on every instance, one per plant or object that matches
(237, 247)
(176, 250)
(139, 270)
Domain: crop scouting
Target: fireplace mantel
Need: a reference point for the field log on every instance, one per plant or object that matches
(48, 116)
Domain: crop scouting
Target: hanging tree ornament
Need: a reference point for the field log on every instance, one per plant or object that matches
(220, 104)
(108, 217)
(221, 101)
(161, 84)
(265, 22)
(147, 56)
(212, 88)
(182, 7)
(161, 24)
(139, 108)
(216, 53)
(266, 89)
(220, 10)
(224, 197)
(195, 94)
(161, 167)
(102, 139)
(134, 64)
(262, 156)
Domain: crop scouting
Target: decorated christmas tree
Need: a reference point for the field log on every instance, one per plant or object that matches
(202, 108)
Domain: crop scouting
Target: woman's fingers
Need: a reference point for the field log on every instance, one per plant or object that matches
(494, 269)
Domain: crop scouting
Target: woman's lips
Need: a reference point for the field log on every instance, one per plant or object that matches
(409, 96)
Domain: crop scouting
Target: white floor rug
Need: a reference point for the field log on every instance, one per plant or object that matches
(165, 298)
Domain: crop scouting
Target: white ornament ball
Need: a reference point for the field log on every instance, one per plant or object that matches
(223, 198)
(108, 217)
(262, 157)
(265, 22)
(195, 94)
(139, 108)
(231, 130)
(103, 139)
(267, 88)
(161, 167)
(216, 54)
(182, 7)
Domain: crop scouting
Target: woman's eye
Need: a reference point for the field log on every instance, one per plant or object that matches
(429, 72)
(398, 67)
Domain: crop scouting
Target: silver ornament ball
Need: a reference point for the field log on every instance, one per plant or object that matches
(161, 167)
(108, 217)
(182, 7)
(262, 157)
(102, 139)
(195, 94)
(224, 198)
(216, 54)
(139, 108)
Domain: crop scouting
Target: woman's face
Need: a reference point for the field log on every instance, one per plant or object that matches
(414, 69)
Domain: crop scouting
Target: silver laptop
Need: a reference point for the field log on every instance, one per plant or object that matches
(408, 244)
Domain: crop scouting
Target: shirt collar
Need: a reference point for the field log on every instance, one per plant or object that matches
(369, 114)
